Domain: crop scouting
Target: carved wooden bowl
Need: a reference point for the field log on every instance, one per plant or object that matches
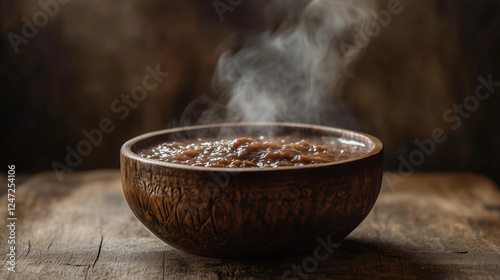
(251, 212)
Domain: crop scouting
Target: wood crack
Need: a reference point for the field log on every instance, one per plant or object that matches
(86, 272)
(29, 248)
(98, 252)
(76, 265)
(100, 244)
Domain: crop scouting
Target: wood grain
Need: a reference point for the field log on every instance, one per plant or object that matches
(431, 226)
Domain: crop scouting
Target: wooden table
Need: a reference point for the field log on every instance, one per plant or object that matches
(442, 226)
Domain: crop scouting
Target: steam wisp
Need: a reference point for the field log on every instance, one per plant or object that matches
(295, 73)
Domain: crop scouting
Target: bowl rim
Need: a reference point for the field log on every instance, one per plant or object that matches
(126, 149)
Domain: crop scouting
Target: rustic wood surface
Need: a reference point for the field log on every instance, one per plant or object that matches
(431, 226)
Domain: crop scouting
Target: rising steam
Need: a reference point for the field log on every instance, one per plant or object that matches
(292, 74)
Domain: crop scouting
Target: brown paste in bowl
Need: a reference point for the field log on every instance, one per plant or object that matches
(250, 152)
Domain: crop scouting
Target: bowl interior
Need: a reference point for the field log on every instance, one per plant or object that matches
(321, 134)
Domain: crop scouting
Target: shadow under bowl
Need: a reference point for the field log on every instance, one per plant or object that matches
(251, 212)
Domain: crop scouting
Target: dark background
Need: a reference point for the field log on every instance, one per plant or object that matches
(65, 78)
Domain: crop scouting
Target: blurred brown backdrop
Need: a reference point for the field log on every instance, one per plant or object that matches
(66, 78)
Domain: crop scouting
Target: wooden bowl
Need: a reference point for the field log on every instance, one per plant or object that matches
(251, 212)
